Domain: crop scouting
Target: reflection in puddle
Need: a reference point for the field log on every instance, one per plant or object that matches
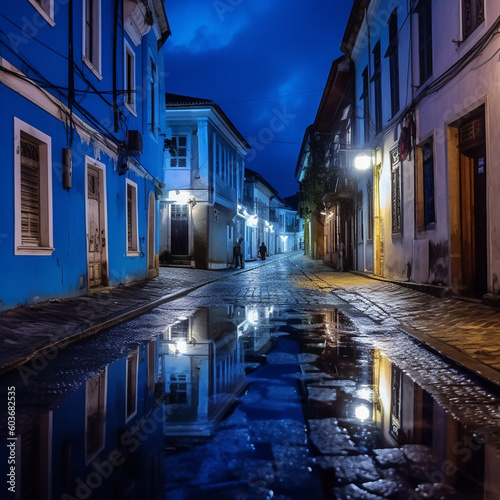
(378, 431)
(202, 367)
(211, 408)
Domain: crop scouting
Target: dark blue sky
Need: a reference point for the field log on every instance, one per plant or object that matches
(265, 62)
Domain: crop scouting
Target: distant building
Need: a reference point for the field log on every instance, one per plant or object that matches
(203, 173)
(260, 227)
(310, 173)
(324, 171)
(294, 220)
(81, 120)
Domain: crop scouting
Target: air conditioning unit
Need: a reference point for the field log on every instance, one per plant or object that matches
(135, 141)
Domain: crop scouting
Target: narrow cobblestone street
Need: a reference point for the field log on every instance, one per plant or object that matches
(281, 380)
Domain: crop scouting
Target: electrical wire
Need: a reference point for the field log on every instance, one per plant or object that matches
(32, 37)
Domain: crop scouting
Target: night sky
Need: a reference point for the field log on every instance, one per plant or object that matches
(265, 62)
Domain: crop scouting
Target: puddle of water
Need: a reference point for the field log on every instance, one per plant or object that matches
(249, 402)
(392, 420)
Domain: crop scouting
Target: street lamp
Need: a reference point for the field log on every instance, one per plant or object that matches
(363, 161)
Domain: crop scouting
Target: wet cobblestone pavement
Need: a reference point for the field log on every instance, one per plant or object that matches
(284, 380)
(467, 332)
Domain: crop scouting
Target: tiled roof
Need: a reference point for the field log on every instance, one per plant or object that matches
(176, 100)
(184, 101)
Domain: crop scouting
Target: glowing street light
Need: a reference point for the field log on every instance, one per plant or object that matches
(363, 161)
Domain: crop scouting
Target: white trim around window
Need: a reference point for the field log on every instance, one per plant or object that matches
(178, 152)
(129, 82)
(91, 36)
(131, 386)
(46, 9)
(132, 229)
(33, 178)
(96, 391)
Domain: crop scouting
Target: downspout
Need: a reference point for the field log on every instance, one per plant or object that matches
(115, 74)
(71, 73)
(412, 90)
(68, 152)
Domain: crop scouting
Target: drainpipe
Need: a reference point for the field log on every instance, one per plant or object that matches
(67, 152)
(115, 75)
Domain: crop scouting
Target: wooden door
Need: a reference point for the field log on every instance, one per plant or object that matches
(473, 207)
(473, 221)
(179, 225)
(95, 227)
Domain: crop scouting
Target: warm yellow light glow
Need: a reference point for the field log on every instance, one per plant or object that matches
(363, 161)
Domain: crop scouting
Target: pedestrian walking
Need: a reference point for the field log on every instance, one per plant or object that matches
(263, 251)
(238, 254)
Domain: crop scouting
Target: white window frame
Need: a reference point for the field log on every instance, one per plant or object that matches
(95, 65)
(129, 86)
(46, 9)
(132, 358)
(188, 153)
(134, 252)
(46, 245)
(90, 456)
(151, 350)
(153, 95)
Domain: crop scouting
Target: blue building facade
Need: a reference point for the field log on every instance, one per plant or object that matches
(81, 92)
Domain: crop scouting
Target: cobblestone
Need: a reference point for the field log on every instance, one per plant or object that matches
(466, 332)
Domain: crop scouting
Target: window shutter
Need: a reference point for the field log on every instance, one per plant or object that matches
(30, 193)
